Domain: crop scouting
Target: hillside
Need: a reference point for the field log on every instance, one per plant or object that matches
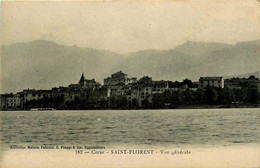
(176, 64)
(44, 64)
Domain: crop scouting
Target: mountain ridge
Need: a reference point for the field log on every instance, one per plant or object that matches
(44, 64)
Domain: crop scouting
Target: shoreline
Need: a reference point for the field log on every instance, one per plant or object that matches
(166, 108)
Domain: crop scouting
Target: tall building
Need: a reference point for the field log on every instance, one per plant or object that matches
(211, 81)
(119, 78)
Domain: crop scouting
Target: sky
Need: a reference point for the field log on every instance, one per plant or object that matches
(130, 26)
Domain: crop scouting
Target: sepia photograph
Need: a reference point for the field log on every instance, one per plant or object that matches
(127, 84)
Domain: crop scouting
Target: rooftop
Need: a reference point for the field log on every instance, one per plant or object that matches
(119, 73)
(212, 78)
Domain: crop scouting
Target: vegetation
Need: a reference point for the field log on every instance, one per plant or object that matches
(46, 102)
(248, 94)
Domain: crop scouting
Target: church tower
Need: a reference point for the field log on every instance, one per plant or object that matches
(82, 79)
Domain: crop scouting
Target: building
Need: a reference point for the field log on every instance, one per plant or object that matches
(233, 83)
(145, 80)
(32, 94)
(211, 81)
(10, 101)
(74, 87)
(145, 93)
(237, 83)
(119, 78)
(3, 101)
(87, 83)
(160, 86)
(133, 94)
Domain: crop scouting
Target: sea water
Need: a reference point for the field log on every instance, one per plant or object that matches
(194, 127)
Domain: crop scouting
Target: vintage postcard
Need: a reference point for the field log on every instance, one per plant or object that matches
(126, 84)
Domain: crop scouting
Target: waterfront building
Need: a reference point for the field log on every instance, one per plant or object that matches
(14, 101)
(118, 91)
(3, 101)
(30, 94)
(10, 101)
(211, 81)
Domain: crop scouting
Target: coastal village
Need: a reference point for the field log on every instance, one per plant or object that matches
(122, 92)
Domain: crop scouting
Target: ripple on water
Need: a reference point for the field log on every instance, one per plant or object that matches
(164, 127)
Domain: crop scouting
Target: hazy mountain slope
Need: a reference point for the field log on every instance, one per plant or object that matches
(256, 74)
(175, 65)
(156, 63)
(198, 48)
(43, 64)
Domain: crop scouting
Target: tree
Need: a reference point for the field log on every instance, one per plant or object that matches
(199, 97)
(251, 77)
(123, 102)
(103, 103)
(210, 95)
(176, 97)
(158, 100)
(187, 97)
(112, 102)
(145, 103)
(175, 84)
(135, 103)
(228, 96)
(187, 82)
(253, 94)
